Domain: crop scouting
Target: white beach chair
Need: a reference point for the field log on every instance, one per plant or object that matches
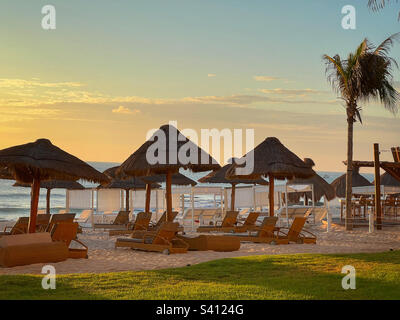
(318, 214)
(187, 216)
(207, 216)
(85, 218)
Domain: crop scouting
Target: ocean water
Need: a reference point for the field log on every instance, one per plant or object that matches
(15, 201)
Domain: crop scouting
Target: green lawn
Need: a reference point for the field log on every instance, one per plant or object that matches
(303, 276)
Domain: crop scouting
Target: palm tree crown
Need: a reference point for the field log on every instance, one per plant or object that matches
(366, 74)
(379, 4)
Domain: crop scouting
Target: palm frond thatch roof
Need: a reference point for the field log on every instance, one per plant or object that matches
(165, 159)
(54, 184)
(125, 182)
(43, 160)
(6, 174)
(320, 185)
(219, 176)
(339, 184)
(177, 179)
(272, 157)
(388, 180)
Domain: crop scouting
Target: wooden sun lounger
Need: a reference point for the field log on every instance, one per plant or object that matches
(67, 232)
(122, 219)
(163, 218)
(296, 233)
(20, 227)
(85, 216)
(187, 217)
(248, 224)
(266, 233)
(60, 217)
(141, 224)
(42, 221)
(225, 225)
(318, 214)
(164, 240)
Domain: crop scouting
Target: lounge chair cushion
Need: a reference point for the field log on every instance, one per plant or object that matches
(24, 239)
(23, 249)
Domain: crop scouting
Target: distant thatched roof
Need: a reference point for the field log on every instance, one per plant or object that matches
(125, 182)
(272, 157)
(320, 186)
(54, 184)
(219, 176)
(137, 164)
(389, 180)
(339, 184)
(42, 160)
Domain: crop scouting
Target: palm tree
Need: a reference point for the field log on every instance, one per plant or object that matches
(365, 75)
(376, 5)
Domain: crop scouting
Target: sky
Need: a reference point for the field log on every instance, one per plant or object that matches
(113, 70)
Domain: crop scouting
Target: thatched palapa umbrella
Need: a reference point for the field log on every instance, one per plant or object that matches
(165, 153)
(177, 179)
(6, 174)
(273, 159)
(388, 180)
(40, 161)
(320, 186)
(126, 183)
(219, 176)
(53, 184)
(339, 184)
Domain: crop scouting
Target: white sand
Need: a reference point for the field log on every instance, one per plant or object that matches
(103, 257)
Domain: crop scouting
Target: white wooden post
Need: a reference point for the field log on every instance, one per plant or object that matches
(156, 204)
(328, 215)
(225, 200)
(286, 207)
(92, 207)
(67, 201)
(121, 193)
(221, 191)
(254, 198)
(192, 200)
(371, 221)
(312, 195)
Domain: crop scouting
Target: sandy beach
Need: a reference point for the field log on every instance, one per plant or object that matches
(103, 257)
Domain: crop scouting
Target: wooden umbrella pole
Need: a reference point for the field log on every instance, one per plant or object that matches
(233, 197)
(48, 201)
(168, 194)
(34, 204)
(127, 200)
(271, 195)
(148, 195)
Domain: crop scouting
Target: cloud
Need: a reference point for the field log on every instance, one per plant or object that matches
(242, 99)
(211, 75)
(300, 92)
(265, 78)
(125, 110)
(35, 82)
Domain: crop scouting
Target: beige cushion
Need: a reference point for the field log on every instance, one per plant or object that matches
(24, 239)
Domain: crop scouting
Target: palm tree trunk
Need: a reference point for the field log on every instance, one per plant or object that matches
(349, 175)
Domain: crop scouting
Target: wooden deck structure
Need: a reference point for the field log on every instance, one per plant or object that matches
(393, 168)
